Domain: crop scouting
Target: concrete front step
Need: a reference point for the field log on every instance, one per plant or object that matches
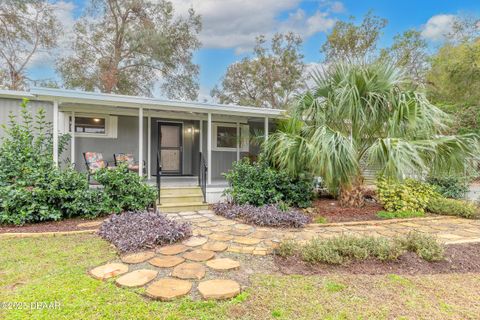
(173, 191)
(182, 206)
(164, 199)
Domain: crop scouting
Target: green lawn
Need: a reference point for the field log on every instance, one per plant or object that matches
(54, 269)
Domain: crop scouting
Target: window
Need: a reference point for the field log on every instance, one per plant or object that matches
(225, 137)
(92, 125)
(89, 125)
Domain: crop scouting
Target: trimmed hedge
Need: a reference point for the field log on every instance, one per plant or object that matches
(452, 207)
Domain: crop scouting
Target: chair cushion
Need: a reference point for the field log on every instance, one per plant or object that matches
(125, 157)
(95, 160)
(133, 167)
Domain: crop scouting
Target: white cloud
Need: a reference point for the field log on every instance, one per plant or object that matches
(64, 14)
(438, 26)
(236, 23)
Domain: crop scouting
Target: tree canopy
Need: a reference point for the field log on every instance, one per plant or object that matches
(349, 41)
(125, 46)
(269, 79)
(26, 28)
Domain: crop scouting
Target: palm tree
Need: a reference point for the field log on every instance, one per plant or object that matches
(361, 115)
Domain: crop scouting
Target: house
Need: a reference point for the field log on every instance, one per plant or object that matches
(180, 134)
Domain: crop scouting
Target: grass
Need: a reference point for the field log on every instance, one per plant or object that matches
(55, 269)
(400, 214)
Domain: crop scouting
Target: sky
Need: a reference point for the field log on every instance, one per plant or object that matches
(230, 27)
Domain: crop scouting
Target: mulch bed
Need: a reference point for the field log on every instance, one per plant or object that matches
(459, 258)
(50, 226)
(333, 212)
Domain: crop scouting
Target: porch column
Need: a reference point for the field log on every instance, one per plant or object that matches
(140, 141)
(201, 137)
(72, 143)
(238, 141)
(209, 149)
(55, 133)
(149, 146)
(266, 129)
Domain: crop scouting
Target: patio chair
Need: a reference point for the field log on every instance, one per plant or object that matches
(94, 161)
(128, 159)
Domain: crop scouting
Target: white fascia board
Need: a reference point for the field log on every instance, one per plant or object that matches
(15, 94)
(72, 96)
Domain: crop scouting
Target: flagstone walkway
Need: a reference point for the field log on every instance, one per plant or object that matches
(210, 264)
(243, 238)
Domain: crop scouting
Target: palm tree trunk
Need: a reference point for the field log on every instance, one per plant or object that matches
(352, 195)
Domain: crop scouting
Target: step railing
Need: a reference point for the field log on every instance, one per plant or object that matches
(202, 176)
(159, 176)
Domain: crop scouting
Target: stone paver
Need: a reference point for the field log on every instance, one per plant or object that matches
(166, 261)
(216, 235)
(195, 241)
(138, 257)
(137, 278)
(223, 264)
(109, 270)
(199, 255)
(168, 289)
(218, 289)
(244, 238)
(172, 249)
(216, 246)
(189, 270)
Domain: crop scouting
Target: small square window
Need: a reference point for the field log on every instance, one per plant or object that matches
(226, 137)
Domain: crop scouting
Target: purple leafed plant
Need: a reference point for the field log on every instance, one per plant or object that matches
(268, 215)
(133, 231)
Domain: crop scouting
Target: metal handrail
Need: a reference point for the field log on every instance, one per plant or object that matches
(202, 176)
(159, 176)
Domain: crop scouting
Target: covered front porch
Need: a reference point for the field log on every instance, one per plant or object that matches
(176, 135)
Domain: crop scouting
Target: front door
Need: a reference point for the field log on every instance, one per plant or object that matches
(170, 146)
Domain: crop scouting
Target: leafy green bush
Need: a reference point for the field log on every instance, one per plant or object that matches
(426, 246)
(342, 249)
(126, 189)
(400, 214)
(32, 188)
(258, 184)
(286, 248)
(20, 205)
(450, 186)
(452, 207)
(409, 195)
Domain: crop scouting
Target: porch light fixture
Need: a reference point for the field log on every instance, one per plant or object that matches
(189, 130)
(96, 120)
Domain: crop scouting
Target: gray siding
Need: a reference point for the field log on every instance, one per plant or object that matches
(126, 142)
(8, 106)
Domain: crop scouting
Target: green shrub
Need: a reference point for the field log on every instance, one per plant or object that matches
(32, 188)
(424, 245)
(126, 189)
(344, 248)
(409, 195)
(399, 214)
(20, 205)
(450, 186)
(258, 184)
(286, 248)
(341, 249)
(453, 207)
